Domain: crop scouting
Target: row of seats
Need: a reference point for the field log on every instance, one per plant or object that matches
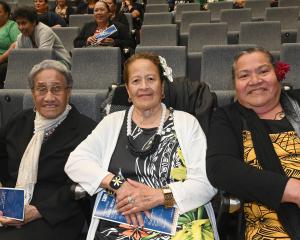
(100, 67)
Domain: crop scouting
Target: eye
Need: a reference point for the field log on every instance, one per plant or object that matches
(56, 89)
(41, 89)
(264, 71)
(243, 76)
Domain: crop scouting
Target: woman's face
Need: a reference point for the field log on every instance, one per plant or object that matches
(50, 93)
(41, 6)
(3, 16)
(101, 12)
(256, 83)
(144, 85)
(25, 26)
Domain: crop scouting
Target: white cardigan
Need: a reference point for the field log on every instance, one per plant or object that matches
(89, 162)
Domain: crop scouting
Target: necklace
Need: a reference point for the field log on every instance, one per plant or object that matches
(280, 115)
(155, 142)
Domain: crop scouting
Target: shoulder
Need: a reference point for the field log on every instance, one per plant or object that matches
(20, 119)
(81, 120)
(184, 116)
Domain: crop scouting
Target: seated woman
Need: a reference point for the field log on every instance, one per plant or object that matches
(34, 147)
(159, 151)
(35, 34)
(47, 17)
(64, 9)
(253, 148)
(87, 36)
(86, 7)
(8, 35)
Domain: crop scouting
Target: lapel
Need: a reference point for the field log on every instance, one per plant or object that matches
(62, 136)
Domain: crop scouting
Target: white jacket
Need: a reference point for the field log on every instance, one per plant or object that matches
(88, 163)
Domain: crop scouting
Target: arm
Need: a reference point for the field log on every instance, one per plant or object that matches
(81, 40)
(227, 171)
(124, 39)
(5, 55)
(45, 39)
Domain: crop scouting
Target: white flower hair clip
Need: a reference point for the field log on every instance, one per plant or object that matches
(167, 70)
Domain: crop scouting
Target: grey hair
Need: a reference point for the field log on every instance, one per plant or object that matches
(50, 64)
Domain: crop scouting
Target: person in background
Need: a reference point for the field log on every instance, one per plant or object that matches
(8, 35)
(254, 148)
(36, 34)
(47, 17)
(157, 153)
(34, 147)
(64, 9)
(86, 7)
(239, 4)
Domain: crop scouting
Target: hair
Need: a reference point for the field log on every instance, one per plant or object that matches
(106, 5)
(249, 51)
(5, 7)
(26, 12)
(152, 57)
(50, 64)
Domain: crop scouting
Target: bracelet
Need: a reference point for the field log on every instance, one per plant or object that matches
(168, 197)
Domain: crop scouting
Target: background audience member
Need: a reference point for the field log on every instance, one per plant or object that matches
(86, 7)
(87, 36)
(253, 148)
(8, 35)
(38, 35)
(64, 9)
(34, 147)
(47, 17)
(158, 152)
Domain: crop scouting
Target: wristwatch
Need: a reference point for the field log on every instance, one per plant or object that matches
(116, 182)
(168, 197)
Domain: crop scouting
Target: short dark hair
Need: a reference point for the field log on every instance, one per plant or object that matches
(5, 7)
(26, 12)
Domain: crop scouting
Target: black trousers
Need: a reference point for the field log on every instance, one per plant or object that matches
(3, 70)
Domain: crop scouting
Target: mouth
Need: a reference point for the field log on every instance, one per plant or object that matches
(257, 91)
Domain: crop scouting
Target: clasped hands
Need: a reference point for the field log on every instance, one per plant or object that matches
(30, 213)
(133, 198)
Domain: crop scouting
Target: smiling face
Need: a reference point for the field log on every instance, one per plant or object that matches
(144, 85)
(25, 26)
(50, 103)
(3, 16)
(256, 83)
(101, 13)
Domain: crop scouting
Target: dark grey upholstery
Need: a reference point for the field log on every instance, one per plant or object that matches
(158, 18)
(201, 34)
(159, 35)
(175, 57)
(217, 64)
(185, 7)
(298, 33)
(67, 36)
(152, 8)
(149, 2)
(288, 17)
(96, 68)
(224, 97)
(288, 3)
(25, 2)
(263, 34)
(290, 53)
(258, 8)
(78, 20)
(215, 9)
(11, 103)
(233, 18)
(20, 62)
(130, 21)
(189, 17)
(87, 102)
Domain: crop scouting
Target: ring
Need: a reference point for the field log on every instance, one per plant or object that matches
(130, 199)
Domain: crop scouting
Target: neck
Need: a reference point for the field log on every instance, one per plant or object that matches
(3, 23)
(269, 113)
(148, 118)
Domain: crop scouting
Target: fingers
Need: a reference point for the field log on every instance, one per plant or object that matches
(10, 222)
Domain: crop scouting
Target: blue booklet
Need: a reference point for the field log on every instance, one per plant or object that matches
(106, 33)
(163, 220)
(12, 203)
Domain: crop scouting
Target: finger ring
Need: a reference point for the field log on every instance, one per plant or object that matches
(130, 199)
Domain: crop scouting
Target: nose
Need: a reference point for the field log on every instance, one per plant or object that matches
(49, 96)
(255, 78)
(144, 84)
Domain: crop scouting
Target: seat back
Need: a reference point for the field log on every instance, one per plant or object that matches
(20, 62)
(217, 64)
(96, 68)
(201, 34)
(159, 35)
(156, 8)
(215, 9)
(258, 8)
(189, 17)
(86, 102)
(290, 53)
(158, 18)
(185, 7)
(130, 21)
(78, 20)
(149, 2)
(288, 3)
(67, 36)
(233, 17)
(224, 97)
(175, 57)
(288, 16)
(264, 34)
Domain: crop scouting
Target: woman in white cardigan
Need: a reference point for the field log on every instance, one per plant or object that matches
(147, 156)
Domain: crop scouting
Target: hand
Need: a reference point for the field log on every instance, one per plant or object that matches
(91, 40)
(134, 197)
(292, 192)
(30, 213)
